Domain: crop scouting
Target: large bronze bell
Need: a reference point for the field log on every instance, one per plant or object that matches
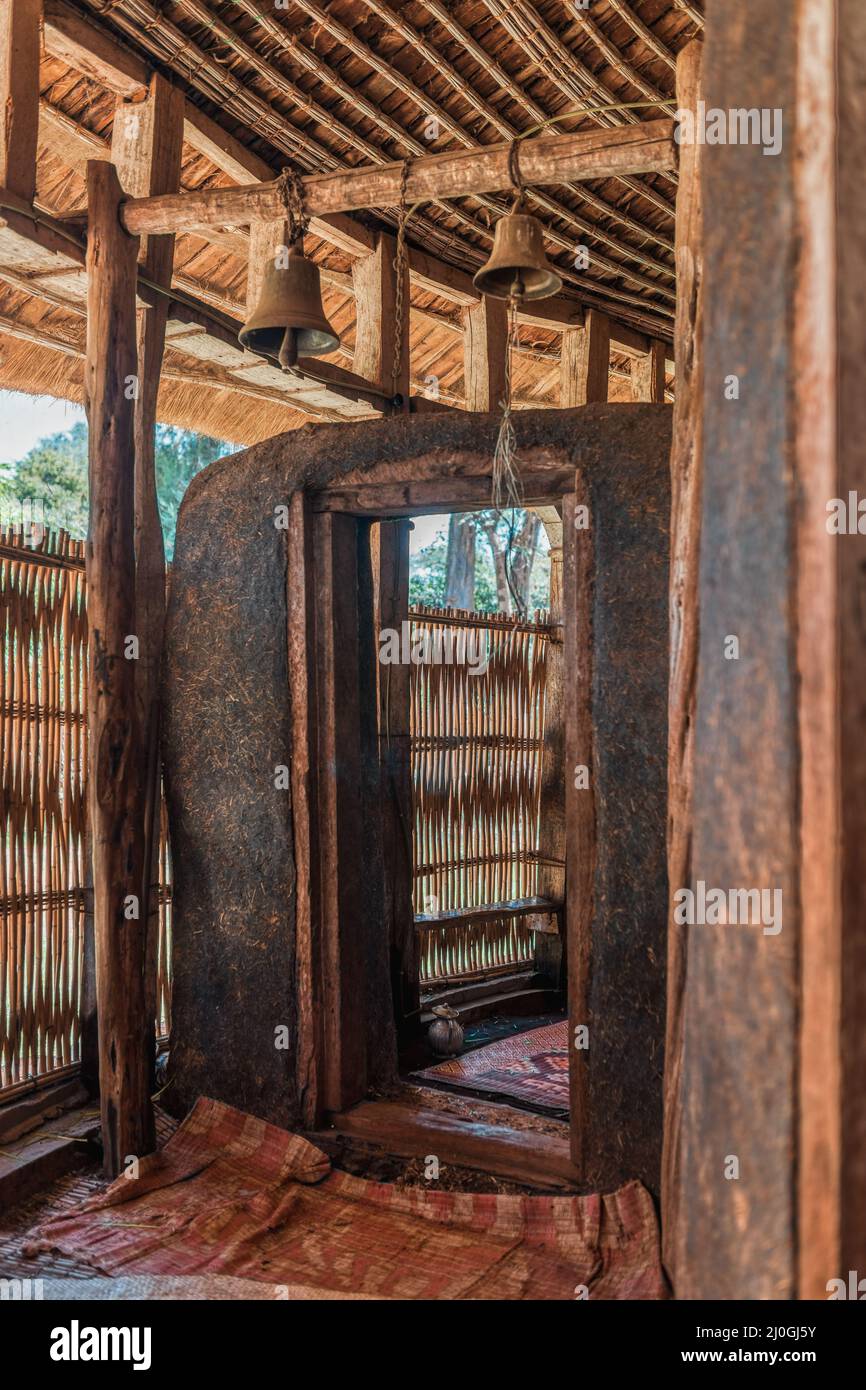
(289, 321)
(518, 266)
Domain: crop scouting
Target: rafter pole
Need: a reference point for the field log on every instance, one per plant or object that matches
(19, 94)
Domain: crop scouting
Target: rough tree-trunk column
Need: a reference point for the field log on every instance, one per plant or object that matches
(116, 750)
(685, 544)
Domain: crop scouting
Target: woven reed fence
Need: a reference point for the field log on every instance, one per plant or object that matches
(43, 754)
(476, 742)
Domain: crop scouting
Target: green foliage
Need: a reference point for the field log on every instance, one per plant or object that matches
(52, 478)
(427, 568)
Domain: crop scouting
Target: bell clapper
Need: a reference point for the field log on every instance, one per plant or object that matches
(288, 354)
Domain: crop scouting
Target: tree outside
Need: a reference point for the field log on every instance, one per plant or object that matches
(49, 484)
(487, 562)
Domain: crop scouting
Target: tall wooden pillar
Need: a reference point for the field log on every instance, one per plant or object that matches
(146, 145)
(116, 772)
(769, 1131)
(19, 95)
(685, 549)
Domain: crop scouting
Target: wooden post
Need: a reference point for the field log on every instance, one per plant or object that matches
(146, 149)
(394, 732)
(344, 972)
(485, 345)
(685, 549)
(300, 608)
(549, 947)
(580, 824)
(648, 374)
(19, 95)
(829, 351)
(116, 749)
(375, 283)
(585, 363)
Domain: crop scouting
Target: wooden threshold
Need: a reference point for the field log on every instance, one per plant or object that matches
(543, 915)
(520, 1155)
(34, 1160)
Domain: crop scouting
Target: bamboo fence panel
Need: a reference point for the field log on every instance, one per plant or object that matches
(476, 744)
(43, 755)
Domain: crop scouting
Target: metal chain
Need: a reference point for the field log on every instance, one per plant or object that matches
(400, 268)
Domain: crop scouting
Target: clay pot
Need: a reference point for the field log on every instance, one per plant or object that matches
(445, 1034)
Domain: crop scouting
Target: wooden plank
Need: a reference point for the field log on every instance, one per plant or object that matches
(585, 363)
(686, 468)
(580, 827)
(344, 1070)
(451, 493)
(392, 605)
(19, 94)
(549, 950)
(146, 147)
(645, 148)
(116, 746)
(545, 910)
(648, 373)
(485, 346)
(539, 1160)
(302, 696)
(374, 279)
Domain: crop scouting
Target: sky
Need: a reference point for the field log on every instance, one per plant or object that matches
(26, 419)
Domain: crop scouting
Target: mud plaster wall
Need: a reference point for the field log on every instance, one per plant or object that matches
(226, 728)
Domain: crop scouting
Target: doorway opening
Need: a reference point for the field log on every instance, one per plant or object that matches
(486, 884)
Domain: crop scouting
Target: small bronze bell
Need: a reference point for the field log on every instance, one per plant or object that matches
(289, 321)
(518, 265)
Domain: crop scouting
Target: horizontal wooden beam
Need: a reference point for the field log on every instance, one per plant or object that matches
(540, 1160)
(540, 914)
(545, 159)
(430, 496)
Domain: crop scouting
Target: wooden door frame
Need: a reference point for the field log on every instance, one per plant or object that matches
(329, 532)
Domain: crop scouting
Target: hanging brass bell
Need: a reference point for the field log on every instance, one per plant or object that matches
(289, 320)
(518, 265)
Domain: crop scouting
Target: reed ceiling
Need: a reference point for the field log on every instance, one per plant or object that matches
(324, 86)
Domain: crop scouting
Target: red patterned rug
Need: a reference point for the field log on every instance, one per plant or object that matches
(530, 1067)
(232, 1196)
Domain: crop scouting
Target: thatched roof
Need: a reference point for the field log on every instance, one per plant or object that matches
(319, 86)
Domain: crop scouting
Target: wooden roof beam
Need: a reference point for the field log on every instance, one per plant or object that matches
(645, 148)
(74, 39)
